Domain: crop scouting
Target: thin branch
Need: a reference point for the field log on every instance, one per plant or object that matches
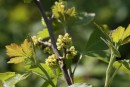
(54, 47)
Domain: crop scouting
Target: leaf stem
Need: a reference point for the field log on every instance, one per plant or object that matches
(109, 69)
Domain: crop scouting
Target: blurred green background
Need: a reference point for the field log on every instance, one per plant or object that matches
(18, 19)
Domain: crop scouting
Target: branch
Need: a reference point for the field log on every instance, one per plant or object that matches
(53, 42)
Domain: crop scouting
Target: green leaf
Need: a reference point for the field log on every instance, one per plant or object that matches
(27, 1)
(105, 30)
(81, 85)
(95, 43)
(6, 75)
(44, 33)
(39, 71)
(47, 84)
(113, 48)
(96, 47)
(84, 18)
(15, 79)
(125, 66)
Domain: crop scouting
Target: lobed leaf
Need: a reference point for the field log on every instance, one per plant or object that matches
(19, 53)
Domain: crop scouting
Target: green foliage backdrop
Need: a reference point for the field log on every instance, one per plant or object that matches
(17, 19)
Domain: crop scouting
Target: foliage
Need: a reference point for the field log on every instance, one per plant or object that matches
(60, 55)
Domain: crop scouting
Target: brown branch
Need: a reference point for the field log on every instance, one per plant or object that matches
(53, 42)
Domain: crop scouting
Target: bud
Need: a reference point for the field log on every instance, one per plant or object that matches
(51, 61)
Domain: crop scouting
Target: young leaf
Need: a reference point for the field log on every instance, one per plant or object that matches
(44, 33)
(117, 34)
(125, 66)
(6, 75)
(39, 71)
(126, 33)
(19, 53)
(15, 79)
(80, 85)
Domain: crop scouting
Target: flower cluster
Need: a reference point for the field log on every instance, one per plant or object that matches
(71, 52)
(64, 41)
(51, 61)
(36, 39)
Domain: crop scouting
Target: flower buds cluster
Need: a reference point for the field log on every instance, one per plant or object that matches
(63, 41)
(36, 40)
(71, 52)
(51, 61)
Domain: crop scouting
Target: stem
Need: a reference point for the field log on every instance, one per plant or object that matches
(71, 75)
(45, 72)
(77, 63)
(54, 47)
(109, 70)
(115, 73)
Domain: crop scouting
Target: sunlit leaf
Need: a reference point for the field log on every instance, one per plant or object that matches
(126, 33)
(44, 33)
(125, 41)
(125, 66)
(15, 79)
(80, 85)
(117, 34)
(6, 75)
(19, 53)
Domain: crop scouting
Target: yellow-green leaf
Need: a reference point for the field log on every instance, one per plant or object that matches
(44, 33)
(125, 41)
(117, 34)
(6, 75)
(125, 66)
(19, 53)
(16, 60)
(126, 33)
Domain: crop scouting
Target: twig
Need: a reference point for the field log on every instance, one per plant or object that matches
(54, 47)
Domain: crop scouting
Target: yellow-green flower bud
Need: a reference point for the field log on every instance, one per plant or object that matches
(36, 39)
(64, 41)
(48, 50)
(71, 52)
(51, 61)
